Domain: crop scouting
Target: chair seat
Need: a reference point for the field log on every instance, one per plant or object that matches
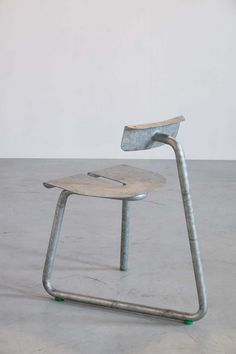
(117, 182)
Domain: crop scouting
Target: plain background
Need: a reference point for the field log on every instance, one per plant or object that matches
(73, 73)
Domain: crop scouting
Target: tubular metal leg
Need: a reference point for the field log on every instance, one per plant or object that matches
(124, 248)
(121, 305)
(189, 216)
(53, 242)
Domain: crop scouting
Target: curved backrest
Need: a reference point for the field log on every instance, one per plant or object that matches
(139, 137)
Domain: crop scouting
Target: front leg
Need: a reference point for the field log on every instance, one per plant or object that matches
(53, 242)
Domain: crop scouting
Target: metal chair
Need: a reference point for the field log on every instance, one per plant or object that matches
(130, 184)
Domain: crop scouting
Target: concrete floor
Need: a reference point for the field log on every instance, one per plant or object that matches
(159, 273)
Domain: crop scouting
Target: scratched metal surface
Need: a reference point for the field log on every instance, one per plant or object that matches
(117, 182)
(139, 137)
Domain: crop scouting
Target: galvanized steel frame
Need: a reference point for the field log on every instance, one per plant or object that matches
(121, 305)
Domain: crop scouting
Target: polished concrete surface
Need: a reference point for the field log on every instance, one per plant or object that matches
(160, 271)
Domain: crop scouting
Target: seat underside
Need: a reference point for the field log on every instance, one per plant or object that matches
(116, 182)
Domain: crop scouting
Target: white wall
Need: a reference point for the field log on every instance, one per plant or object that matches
(74, 72)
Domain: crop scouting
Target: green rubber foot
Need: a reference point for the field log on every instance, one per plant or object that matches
(59, 299)
(188, 322)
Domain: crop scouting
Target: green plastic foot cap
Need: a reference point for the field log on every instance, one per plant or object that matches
(188, 322)
(59, 299)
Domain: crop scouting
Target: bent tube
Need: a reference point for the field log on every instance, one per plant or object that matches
(190, 222)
